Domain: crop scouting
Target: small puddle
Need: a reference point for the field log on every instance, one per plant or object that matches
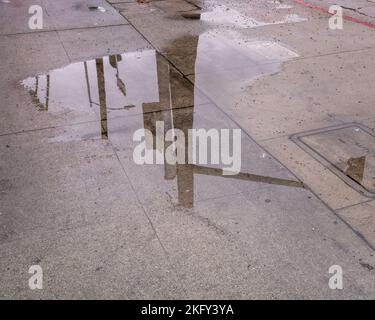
(223, 15)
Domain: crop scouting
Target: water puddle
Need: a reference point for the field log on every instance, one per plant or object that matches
(142, 81)
(223, 15)
(124, 84)
(137, 89)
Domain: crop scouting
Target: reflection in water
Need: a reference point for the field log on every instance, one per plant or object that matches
(145, 83)
(102, 98)
(41, 106)
(77, 86)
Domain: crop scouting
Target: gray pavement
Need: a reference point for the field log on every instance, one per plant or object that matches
(73, 201)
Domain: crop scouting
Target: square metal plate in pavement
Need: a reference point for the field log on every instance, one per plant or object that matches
(347, 150)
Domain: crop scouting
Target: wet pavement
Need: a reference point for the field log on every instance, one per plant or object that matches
(73, 200)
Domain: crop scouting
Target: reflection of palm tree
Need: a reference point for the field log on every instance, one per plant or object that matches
(87, 83)
(102, 97)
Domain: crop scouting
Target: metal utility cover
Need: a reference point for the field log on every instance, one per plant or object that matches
(347, 150)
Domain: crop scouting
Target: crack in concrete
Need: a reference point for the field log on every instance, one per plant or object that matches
(66, 29)
(356, 11)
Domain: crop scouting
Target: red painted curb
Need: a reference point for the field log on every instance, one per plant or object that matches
(322, 9)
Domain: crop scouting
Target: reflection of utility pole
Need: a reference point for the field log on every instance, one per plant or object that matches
(47, 94)
(36, 85)
(41, 106)
(183, 120)
(113, 61)
(102, 97)
(87, 83)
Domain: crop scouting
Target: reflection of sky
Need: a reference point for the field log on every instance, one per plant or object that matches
(226, 65)
(138, 71)
(69, 90)
(218, 52)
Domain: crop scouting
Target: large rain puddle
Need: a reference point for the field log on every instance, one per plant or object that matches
(135, 90)
(144, 81)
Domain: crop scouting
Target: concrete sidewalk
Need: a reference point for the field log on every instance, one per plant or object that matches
(73, 201)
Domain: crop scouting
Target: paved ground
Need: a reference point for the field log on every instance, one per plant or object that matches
(73, 201)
